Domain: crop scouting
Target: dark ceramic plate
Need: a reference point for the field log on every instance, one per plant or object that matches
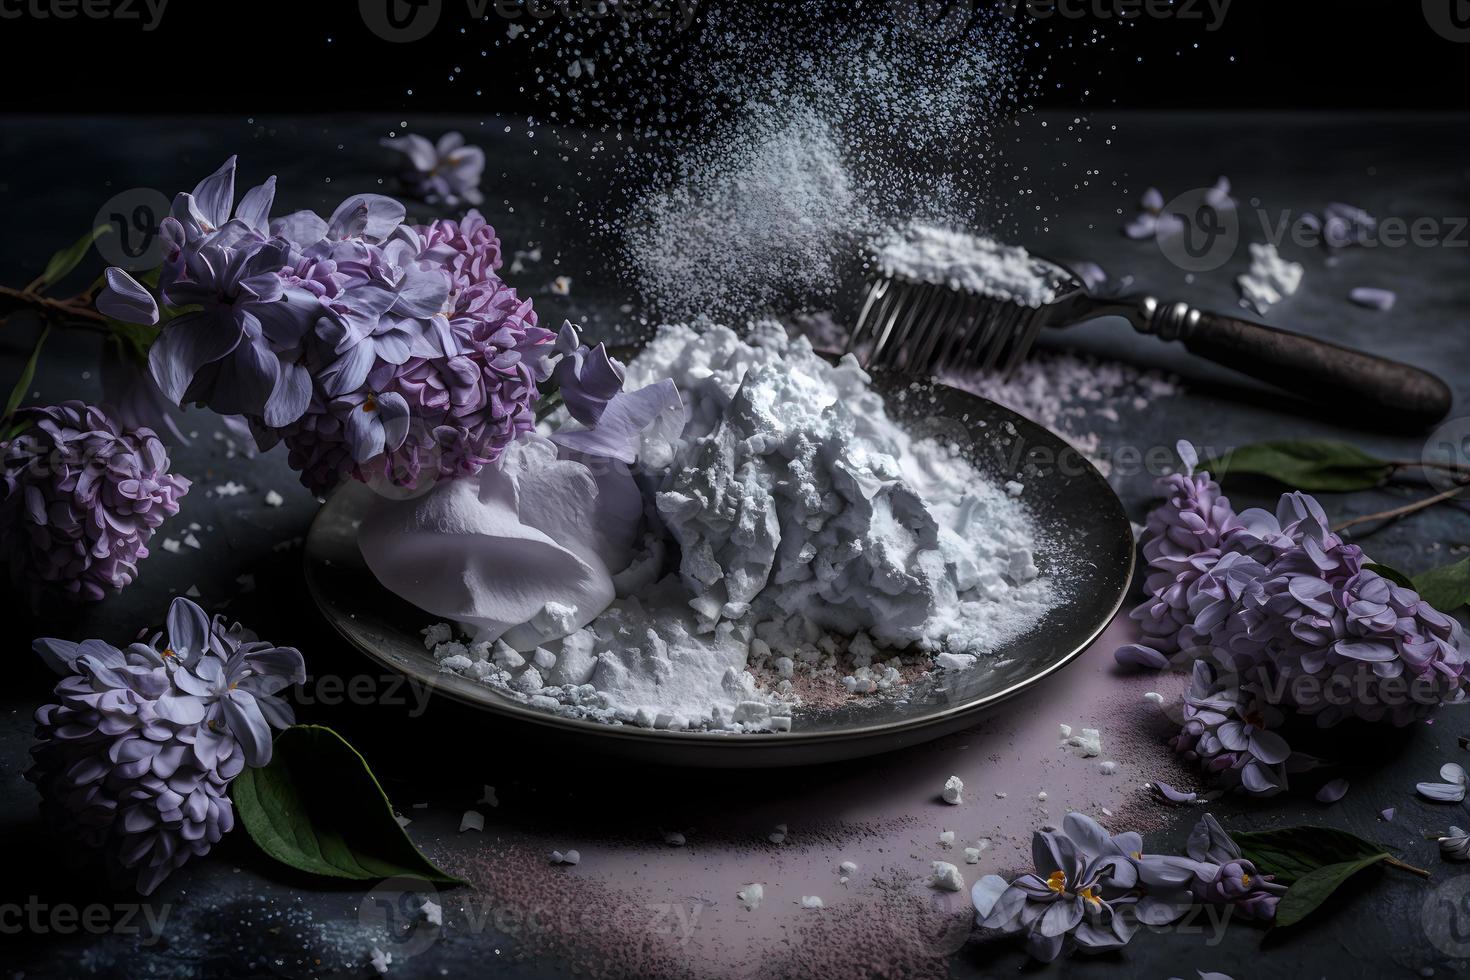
(1087, 550)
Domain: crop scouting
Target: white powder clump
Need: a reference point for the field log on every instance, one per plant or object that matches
(954, 791)
(1269, 280)
(1086, 743)
(960, 260)
(815, 539)
(792, 492)
(751, 895)
(947, 877)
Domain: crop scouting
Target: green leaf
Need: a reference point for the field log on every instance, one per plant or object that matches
(317, 807)
(1315, 887)
(135, 338)
(27, 374)
(1314, 465)
(1294, 852)
(1392, 574)
(1446, 588)
(64, 261)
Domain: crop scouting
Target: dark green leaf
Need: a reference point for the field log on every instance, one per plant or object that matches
(1446, 588)
(1392, 574)
(1315, 887)
(317, 807)
(1293, 852)
(1314, 465)
(135, 338)
(64, 261)
(27, 374)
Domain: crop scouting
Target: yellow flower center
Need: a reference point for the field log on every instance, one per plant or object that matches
(169, 652)
(371, 405)
(1057, 882)
(1090, 896)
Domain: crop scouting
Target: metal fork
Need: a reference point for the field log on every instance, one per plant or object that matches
(920, 328)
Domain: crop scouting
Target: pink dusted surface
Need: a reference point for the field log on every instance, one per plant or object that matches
(636, 904)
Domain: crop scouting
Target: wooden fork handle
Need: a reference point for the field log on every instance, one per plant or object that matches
(1389, 393)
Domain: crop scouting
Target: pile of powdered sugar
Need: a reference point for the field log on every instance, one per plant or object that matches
(800, 540)
(962, 260)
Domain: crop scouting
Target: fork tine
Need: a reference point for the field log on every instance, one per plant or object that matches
(1004, 332)
(888, 310)
(907, 315)
(942, 325)
(1025, 337)
(877, 289)
(925, 327)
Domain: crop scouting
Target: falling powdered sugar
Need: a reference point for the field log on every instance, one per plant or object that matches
(805, 535)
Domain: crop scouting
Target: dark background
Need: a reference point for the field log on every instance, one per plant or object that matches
(300, 56)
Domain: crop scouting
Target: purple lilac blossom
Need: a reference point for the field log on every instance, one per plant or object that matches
(373, 349)
(447, 172)
(1091, 889)
(137, 755)
(1069, 898)
(1228, 733)
(586, 377)
(1294, 613)
(81, 498)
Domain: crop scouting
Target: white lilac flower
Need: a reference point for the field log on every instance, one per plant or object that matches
(1455, 845)
(1452, 790)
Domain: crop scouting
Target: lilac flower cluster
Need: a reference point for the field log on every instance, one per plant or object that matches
(374, 349)
(137, 755)
(1229, 732)
(1287, 615)
(80, 500)
(447, 172)
(1090, 890)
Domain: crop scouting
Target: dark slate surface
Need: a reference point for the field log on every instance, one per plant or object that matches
(234, 915)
